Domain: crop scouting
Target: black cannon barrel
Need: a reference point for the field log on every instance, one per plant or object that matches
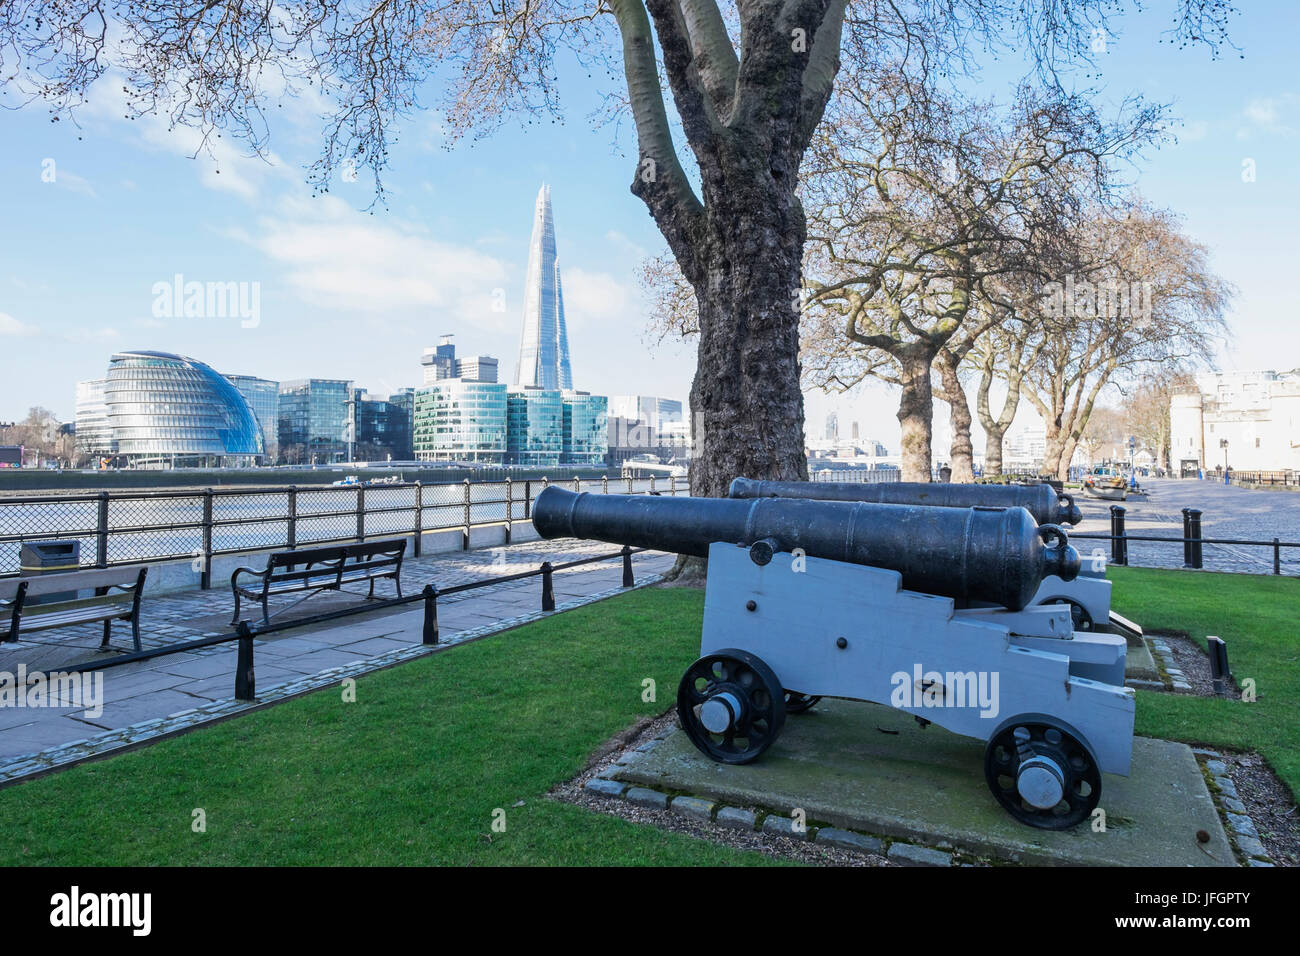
(1044, 502)
(986, 554)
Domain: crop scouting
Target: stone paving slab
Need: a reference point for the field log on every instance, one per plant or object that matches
(867, 767)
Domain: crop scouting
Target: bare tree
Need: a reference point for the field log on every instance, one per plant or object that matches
(1146, 411)
(1142, 301)
(1005, 353)
(749, 85)
(1104, 434)
(922, 208)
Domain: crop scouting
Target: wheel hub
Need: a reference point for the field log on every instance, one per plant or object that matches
(721, 712)
(1040, 782)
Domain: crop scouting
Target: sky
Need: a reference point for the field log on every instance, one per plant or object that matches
(99, 217)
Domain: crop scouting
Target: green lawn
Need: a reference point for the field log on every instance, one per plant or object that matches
(412, 772)
(409, 774)
(1259, 618)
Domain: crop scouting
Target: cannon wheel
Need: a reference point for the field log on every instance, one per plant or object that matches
(797, 703)
(1042, 748)
(743, 689)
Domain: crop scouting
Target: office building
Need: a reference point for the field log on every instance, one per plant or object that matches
(94, 435)
(441, 362)
(534, 426)
(315, 420)
(586, 441)
(460, 420)
(263, 397)
(544, 347)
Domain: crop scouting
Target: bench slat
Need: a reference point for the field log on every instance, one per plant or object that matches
(71, 581)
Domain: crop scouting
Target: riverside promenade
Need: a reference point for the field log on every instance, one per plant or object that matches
(148, 699)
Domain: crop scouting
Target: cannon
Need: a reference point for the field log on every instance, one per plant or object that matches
(916, 607)
(1042, 501)
(1088, 596)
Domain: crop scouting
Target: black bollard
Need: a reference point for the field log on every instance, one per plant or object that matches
(1119, 540)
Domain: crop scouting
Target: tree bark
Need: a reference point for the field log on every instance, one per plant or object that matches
(746, 398)
(962, 449)
(916, 415)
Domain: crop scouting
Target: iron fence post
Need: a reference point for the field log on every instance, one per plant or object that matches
(205, 573)
(1194, 519)
(510, 511)
(430, 636)
(1187, 537)
(528, 500)
(464, 534)
(627, 567)
(292, 532)
(1119, 540)
(361, 512)
(101, 532)
(548, 588)
(245, 681)
(1277, 555)
(419, 517)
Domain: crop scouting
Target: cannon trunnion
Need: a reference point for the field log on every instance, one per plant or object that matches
(916, 607)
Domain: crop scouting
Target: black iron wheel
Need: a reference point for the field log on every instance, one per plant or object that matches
(738, 687)
(797, 703)
(1028, 744)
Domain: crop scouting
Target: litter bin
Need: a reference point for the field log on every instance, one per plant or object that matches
(49, 557)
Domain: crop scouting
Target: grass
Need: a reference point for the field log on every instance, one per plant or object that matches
(1258, 617)
(411, 773)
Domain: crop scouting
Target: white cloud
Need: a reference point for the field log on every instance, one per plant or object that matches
(592, 297)
(74, 183)
(11, 326)
(80, 336)
(340, 259)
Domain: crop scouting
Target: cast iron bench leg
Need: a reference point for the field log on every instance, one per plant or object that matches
(108, 625)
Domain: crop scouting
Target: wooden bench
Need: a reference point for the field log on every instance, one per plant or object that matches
(117, 593)
(319, 569)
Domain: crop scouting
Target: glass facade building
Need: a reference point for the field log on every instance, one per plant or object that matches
(534, 426)
(586, 439)
(460, 420)
(94, 434)
(170, 410)
(315, 420)
(263, 397)
(544, 348)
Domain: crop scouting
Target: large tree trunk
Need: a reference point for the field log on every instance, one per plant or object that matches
(746, 398)
(994, 438)
(916, 416)
(962, 448)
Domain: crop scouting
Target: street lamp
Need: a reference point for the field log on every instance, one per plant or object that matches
(1223, 443)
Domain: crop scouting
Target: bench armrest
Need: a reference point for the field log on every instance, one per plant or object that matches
(253, 571)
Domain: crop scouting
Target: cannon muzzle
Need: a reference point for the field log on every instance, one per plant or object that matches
(1042, 501)
(986, 554)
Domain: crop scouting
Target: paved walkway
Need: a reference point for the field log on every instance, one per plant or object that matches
(1229, 512)
(153, 697)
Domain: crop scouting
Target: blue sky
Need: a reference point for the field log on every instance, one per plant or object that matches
(348, 294)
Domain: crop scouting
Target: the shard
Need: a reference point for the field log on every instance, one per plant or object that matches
(544, 348)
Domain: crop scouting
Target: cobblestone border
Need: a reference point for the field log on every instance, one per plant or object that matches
(1236, 819)
(710, 812)
(17, 768)
(1173, 675)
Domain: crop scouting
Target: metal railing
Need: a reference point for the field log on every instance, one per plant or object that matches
(244, 633)
(135, 527)
(866, 475)
(1193, 540)
(1270, 479)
